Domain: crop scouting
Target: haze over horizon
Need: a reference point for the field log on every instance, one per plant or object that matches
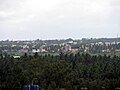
(59, 19)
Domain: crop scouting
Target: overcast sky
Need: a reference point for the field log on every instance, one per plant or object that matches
(59, 19)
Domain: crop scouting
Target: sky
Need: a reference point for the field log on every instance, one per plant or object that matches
(59, 19)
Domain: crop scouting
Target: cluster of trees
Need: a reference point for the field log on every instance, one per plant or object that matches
(94, 40)
(96, 48)
(69, 71)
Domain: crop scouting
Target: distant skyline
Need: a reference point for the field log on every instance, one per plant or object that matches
(59, 19)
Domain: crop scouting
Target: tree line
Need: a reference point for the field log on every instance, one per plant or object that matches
(68, 71)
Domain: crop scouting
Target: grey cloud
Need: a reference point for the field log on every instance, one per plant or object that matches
(59, 18)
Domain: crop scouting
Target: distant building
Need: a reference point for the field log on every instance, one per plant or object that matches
(107, 50)
(13, 45)
(74, 50)
(25, 46)
(107, 43)
(35, 50)
(43, 50)
(16, 57)
(66, 48)
(23, 50)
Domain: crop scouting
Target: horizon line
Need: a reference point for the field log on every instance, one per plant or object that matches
(57, 39)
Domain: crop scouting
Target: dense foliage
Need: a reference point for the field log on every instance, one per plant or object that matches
(69, 71)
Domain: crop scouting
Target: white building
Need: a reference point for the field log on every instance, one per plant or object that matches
(35, 50)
